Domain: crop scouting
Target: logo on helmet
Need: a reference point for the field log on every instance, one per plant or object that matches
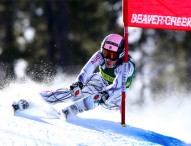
(110, 47)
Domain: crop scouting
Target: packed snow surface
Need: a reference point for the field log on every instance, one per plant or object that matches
(165, 123)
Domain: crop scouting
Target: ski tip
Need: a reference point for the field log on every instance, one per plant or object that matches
(62, 114)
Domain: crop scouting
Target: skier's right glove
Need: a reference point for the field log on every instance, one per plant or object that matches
(76, 88)
(20, 105)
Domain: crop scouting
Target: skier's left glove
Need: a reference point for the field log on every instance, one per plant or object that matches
(103, 96)
(20, 105)
(76, 88)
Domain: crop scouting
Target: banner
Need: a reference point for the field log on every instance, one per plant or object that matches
(162, 14)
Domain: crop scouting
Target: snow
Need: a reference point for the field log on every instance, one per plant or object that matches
(92, 128)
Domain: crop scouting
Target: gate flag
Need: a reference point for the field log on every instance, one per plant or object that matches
(162, 14)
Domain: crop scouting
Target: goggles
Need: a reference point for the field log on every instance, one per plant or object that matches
(110, 55)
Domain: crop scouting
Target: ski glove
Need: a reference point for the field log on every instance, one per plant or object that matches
(104, 96)
(76, 88)
(101, 97)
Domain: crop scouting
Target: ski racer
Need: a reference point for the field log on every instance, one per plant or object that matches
(97, 88)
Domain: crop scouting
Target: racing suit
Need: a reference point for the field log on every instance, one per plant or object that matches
(107, 79)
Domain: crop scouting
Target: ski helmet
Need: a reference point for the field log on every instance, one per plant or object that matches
(113, 46)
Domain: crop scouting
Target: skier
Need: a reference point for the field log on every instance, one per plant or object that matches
(97, 88)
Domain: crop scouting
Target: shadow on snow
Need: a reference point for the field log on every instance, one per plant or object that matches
(136, 133)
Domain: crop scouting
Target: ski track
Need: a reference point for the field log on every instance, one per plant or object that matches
(59, 133)
(21, 131)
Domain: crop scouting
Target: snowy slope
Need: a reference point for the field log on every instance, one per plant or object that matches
(96, 127)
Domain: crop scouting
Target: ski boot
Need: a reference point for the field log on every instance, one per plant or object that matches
(71, 111)
(20, 105)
